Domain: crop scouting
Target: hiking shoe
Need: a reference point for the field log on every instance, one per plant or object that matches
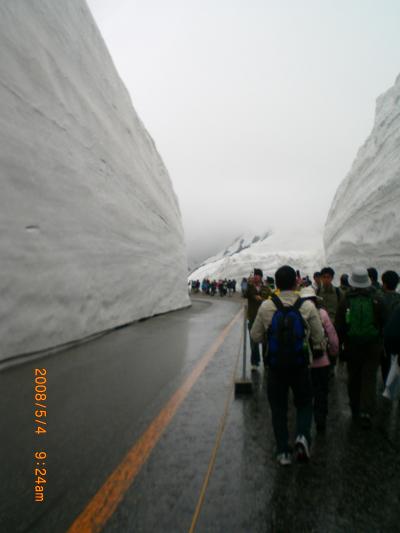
(284, 459)
(365, 420)
(302, 450)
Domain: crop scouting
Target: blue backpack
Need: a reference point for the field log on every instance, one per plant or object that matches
(286, 337)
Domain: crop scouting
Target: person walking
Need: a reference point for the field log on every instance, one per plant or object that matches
(373, 276)
(320, 367)
(213, 287)
(317, 281)
(331, 298)
(392, 334)
(229, 286)
(243, 287)
(331, 295)
(344, 283)
(256, 293)
(359, 323)
(289, 322)
(391, 300)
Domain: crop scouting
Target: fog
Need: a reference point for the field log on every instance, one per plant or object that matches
(257, 108)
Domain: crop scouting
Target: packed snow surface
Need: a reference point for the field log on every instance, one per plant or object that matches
(363, 225)
(91, 234)
(267, 251)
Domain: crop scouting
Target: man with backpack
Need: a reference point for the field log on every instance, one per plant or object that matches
(291, 325)
(359, 323)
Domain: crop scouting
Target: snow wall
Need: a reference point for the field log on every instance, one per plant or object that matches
(363, 225)
(90, 228)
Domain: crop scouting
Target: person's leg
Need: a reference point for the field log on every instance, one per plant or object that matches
(255, 348)
(300, 382)
(277, 390)
(385, 364)
(368, 379)
(354, 366)
(320, 382)
(264, 348)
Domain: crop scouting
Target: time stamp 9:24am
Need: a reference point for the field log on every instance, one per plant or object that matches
(40, 429)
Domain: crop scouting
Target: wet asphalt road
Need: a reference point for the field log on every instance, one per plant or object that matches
(103, 395)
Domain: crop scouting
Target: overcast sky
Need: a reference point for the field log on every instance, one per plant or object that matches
(257, 107)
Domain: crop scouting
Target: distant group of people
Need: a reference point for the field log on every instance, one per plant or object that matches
(211, 287)
(303, 326)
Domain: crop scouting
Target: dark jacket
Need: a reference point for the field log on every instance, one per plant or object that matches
(392, 333)
(391, 301)
(253, 304)
(331, 299)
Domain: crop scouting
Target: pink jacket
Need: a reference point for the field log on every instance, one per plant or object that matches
(332, 339)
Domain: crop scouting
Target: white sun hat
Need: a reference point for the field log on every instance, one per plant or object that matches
(359, 278)
(309, 292)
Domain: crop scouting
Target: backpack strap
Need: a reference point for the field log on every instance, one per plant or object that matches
(279, 305)
(298, 303)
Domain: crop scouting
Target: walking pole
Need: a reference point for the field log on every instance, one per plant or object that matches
(244, 386)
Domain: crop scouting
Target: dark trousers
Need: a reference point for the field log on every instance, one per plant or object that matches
(362, 365)
(255, 348)
(320, 385)
(278, 385)
(385, 361)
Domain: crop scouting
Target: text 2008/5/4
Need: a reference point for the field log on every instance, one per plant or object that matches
(40, 408)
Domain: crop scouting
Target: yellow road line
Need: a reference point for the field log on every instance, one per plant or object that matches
(217, 445)
(103, 504)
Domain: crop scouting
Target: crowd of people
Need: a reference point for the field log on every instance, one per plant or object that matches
(304, 326)
(211, 287)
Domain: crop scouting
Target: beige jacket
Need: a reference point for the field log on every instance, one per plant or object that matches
(308, 311)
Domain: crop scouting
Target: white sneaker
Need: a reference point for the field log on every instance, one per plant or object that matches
(284, 459)
(302, 450)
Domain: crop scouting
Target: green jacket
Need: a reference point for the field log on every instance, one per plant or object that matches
(253, 304)
(379, 312)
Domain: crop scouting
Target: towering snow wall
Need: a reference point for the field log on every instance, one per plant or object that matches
(363, 224)
(90, 228)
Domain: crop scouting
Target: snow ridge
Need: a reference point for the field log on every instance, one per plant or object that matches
(268, 252)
